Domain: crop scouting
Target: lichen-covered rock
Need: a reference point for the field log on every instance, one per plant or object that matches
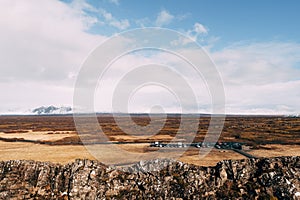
(267, 178)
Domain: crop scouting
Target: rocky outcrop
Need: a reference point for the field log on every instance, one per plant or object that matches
(269, 178)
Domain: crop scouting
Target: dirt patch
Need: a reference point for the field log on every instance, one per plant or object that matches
(275, 150)
(38, 135)
(28, 151)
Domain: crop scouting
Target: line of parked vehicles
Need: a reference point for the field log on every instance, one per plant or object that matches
(218, 145)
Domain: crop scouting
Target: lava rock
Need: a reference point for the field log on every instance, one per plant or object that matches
(264, 178)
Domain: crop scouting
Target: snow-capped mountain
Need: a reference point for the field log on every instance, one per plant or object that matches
(293, 115)
(52, 110)
(43, 110)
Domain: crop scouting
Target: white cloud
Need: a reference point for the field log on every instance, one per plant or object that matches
(261, 77)
(259, 63)
(116, 2)
(107, 16)
(120, 24)
(163, 18)
(42, 43)
(198, 30)
(143, 22)
(80, 6)
(146, 96)
(197, 34)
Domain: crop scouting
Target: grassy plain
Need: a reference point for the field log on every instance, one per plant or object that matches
(55, 139)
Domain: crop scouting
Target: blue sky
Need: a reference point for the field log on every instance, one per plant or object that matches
(231, 21)
(255, 46)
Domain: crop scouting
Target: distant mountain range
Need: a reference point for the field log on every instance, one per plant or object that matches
(52, 110)
(64, 110)
(43, 110)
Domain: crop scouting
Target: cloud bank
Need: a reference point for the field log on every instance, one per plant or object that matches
(43, 44)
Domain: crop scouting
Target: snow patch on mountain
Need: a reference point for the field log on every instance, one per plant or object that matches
(43, 110)
(52, 110)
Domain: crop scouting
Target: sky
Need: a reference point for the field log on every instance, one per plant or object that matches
(255, 46)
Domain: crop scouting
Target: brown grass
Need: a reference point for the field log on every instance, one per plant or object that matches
(265, 136)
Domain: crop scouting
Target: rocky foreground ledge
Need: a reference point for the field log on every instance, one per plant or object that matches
(268, 178)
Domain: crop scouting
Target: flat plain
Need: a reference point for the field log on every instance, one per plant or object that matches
(55, 138)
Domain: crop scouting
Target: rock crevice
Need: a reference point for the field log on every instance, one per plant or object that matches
(265, 178)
